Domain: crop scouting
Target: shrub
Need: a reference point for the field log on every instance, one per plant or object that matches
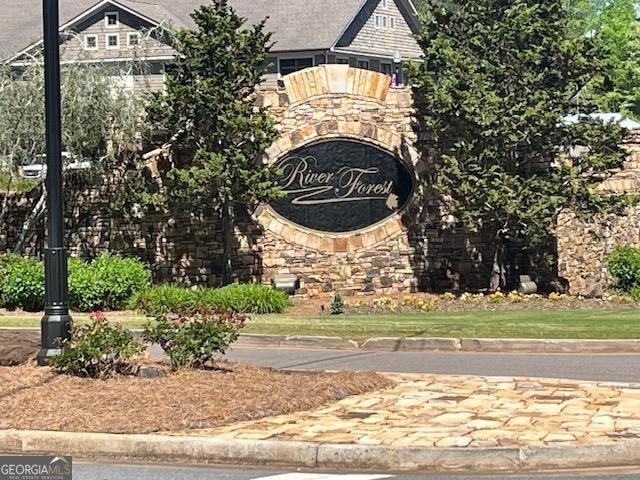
(337, 305)
(161, 299)
(98, 350)
(6, 260)
(85, 293)
(253, 298)
(108, 282)
(191, 339)
(23, 284)
(244, 298)
(120, 278)
(624, 265)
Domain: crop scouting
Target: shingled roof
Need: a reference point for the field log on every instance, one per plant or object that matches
(297, 24)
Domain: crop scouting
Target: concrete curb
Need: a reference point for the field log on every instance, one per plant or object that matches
(426, 344)
(203, 450)
(390, 344)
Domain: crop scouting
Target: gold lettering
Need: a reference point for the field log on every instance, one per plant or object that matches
(305, 185)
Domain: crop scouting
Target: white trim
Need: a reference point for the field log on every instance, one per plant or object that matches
(85, 43)
(131, 35)
(384, 21)
(346, 27)
(108, 15)
(167, 58)
(389, 56)
(106, 41)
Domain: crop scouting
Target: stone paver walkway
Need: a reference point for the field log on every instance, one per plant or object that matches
(461, 411)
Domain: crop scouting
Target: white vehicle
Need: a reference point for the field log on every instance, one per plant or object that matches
(38, 169)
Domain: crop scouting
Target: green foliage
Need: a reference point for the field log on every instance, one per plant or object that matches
(245, 298)
(23, 283)
(337, 305)
(10, 183)
(107, 283)
(252, 298)
(624, 266)
(190, 340)
(98, 350)
(219, 133)
(496, 82)
(613, 26)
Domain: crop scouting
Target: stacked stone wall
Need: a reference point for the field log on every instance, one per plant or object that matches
(415, 249)
(583, 244)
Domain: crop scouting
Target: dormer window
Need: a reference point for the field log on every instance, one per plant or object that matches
(90, 42)
(111, 20)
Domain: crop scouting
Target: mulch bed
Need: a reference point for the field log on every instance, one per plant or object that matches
(36, 398)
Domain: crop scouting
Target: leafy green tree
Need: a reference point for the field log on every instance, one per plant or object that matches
(100, 122)
(219, 134)
(498, 78)
(614, 27)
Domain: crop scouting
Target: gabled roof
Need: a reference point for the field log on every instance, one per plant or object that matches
(297, 24)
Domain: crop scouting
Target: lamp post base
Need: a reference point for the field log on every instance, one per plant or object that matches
(55, 328)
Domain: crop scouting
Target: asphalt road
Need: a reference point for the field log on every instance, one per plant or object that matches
(145, 472)
(603, 367)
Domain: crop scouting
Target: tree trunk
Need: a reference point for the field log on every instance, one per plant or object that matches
(228, 224)
(498, 279)
(34, 216)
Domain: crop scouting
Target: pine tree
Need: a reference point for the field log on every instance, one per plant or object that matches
(498, 78)
(209, 106)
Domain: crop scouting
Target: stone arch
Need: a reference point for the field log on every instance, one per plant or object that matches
(335, 80)
(337, 242)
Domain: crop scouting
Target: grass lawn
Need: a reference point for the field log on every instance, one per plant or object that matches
(558, 324)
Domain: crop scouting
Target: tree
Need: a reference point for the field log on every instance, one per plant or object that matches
(219, 134)
(100, 122)
(614, 27)
(498, 78)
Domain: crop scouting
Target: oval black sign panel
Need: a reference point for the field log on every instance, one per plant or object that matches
(341, 185)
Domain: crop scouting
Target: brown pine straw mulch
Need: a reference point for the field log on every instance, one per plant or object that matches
(35, 398)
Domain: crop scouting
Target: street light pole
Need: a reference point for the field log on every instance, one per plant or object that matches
(56, 323)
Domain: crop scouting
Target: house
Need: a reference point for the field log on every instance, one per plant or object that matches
(362, 33)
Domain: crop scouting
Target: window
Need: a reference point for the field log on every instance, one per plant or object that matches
(385, 68)
(111, 19)
(342, 61)
(133, 39)
(90, 42)
(384, 3)
(290, 65)
(384, 21)
(113, 41)
(363, 64)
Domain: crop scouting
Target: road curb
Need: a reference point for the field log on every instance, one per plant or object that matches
(213, 450)
(426, 344)
(430, 344)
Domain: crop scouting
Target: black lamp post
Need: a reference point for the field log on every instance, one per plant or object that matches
(56, 322)
(397, 61)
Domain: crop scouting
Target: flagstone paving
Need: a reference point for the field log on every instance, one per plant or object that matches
(461, 411)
